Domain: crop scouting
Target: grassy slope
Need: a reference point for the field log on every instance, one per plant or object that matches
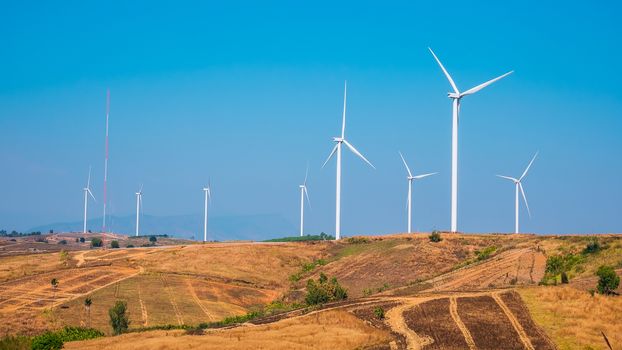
(569, 314)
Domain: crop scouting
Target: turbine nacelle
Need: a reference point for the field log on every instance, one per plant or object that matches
(453, 95)
(338, 139)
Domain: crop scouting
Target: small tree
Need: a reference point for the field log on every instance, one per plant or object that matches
(82, 239)
(608, 280)
(119, 320)
(435, 237)
(114, 244)
(87, 307)
(54, 283)
(153, 239)
(96, 242)
(379, 313)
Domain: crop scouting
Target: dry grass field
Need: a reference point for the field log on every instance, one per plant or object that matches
(465, 292)
(328, 330)
(573, 318)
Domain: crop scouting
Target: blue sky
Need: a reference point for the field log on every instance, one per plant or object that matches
(247, 94)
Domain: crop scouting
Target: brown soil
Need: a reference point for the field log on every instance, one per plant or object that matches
(487, 323)
(432, 319)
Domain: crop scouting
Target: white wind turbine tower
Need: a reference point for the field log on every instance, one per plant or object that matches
(208, 196)
(457, 96)
(519, 186)
(87, 192)
(303, 193)
(411, 178)
(337, 148)
(139, 204)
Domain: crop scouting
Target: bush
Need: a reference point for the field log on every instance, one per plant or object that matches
(435, 237)
(63, 242)
(324, 291)
(608, 281)
(153, 239)
(592, 247)
(119, 320)
(82, 240)
(129, 246)
(485, 253)
(379, 313)
(47, 341)
(114, 244)
(357, 240)
(96, 242)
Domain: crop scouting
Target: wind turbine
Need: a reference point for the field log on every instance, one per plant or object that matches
(87, 192)
(456, 96)
(519, 186)
(303, 193)
(411, 178)
(208, 196)
(139, 204)
(337, 149)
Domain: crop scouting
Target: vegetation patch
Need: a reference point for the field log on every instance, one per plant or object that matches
(435, 237)
(608, 280)
(324, 290)
(321, 237)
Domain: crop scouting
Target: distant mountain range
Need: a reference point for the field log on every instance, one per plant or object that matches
(221, 228)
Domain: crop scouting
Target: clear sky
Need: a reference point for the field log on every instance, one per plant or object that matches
(247, 94)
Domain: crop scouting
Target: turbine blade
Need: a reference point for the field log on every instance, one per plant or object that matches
(330, 156)
(406, 165)
(91, 193)
(424, 175)
(528, 166)
(451, 81)
(141, 188)
(481, 86)
(343, 124)
(355, 151)
(88, 182)
(306, 174)
(524, 198)
(307, 195)
(507, 177)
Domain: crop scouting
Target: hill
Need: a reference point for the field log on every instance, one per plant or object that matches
(467, 291)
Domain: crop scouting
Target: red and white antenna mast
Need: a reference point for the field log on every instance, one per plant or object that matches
(106, 159)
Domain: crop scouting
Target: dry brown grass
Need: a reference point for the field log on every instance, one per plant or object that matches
(13, 267)
(574, 318)
(265, 265)
(323, 330)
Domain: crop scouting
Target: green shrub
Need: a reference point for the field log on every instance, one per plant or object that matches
(47, 341)
(62, 242)
(592, 247)
(118, 317)
(324, 291)
(367, 292)
(129, 246)
(379, 313)
(96, 242)
(78, 333)
(608, 280)
(114, 244)
(153, 239)
(82, 239)
(357, 240)
(485, 253)
(435, 237)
